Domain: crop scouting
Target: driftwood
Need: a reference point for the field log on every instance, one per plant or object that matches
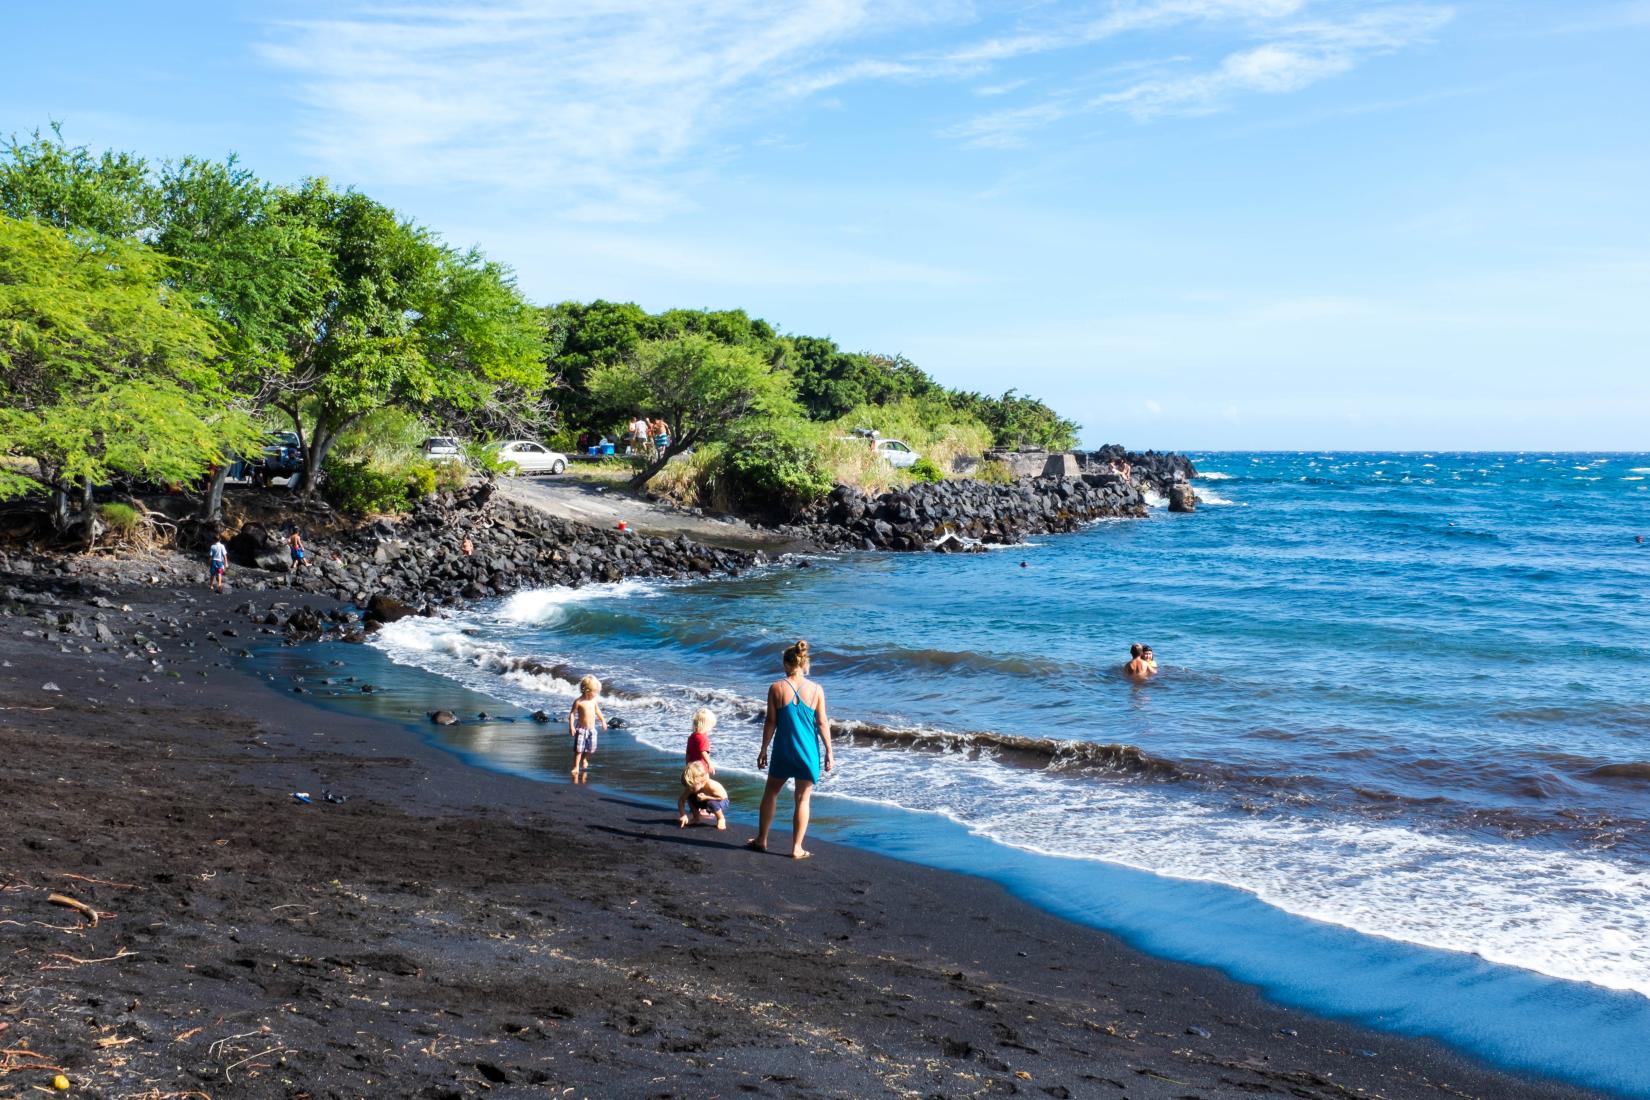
(78, 906)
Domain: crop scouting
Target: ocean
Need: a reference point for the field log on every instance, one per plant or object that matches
(1395, 766)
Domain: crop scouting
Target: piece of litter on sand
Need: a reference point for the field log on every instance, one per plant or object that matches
(49, 686)
(300, 796)
(334, 797)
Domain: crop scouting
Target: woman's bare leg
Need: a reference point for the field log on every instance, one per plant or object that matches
(799, 823)
(770, 803)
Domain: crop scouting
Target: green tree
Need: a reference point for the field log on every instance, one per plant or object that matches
(404, 320)
(252, 265)
(71, 188)
(699, 387)
(105, 370)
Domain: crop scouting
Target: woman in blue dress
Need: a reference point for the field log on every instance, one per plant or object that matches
(795, 729)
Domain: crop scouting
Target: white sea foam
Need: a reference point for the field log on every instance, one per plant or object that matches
(1571, 915)
(1209, 496)
(545, 605)
(1639, 470)
(1154, 499)
(1212, 475)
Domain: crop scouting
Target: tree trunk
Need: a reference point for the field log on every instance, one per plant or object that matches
(212, 507)
(60, 506)
(320, 443)
(88, 513)
(677, 446)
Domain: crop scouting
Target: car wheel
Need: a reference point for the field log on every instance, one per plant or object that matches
(558, 467)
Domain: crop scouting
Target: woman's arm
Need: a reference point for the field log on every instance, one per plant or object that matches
(770, 723)
(824, 724)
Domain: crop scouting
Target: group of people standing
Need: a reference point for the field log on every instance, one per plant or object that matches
(796, 748)
(647, 436)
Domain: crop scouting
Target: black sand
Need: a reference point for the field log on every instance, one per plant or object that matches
(450, 932)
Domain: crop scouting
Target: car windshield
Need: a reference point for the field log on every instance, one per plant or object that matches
(441, 441)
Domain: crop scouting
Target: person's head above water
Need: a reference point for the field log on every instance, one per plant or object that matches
(796, 658)
(1134, 650)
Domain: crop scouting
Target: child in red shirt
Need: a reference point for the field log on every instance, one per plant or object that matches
(698, 744)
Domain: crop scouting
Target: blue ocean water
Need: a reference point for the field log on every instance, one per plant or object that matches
(1400, 736)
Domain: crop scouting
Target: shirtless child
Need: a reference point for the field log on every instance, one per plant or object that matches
(708, 798)
(582, 719)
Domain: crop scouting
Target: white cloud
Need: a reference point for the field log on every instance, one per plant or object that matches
(596, 98)
(1291, 54)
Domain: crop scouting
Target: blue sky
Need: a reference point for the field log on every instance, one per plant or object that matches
(1187, 223)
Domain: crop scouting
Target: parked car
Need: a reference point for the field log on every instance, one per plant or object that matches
(283, 456)
(442, 447)
(896, 453)
(530, 457)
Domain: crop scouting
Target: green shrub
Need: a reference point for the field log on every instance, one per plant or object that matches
(421, 480)
(361, 490)
(775, 464)
(481, 456)
(994, 473)
(451, 475)
(923, 469)
(120, 520)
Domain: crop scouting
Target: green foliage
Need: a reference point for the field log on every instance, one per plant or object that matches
(1017, 421)
(421, 479)
(450, 476)
(923, 469)
(994, 473)
(357, 488)
(701, 388)
(121, 520)
(774, 464)
(104, 371)
(408, 322)
(71, 188)
(480, 456)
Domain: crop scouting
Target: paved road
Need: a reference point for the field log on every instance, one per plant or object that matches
(605, 505)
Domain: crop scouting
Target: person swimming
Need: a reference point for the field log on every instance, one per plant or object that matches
(1135, 667)
(1150, 660)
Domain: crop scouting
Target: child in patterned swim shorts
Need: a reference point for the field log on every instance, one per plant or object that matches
(582, 719)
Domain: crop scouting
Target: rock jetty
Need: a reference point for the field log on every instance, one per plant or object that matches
(965, 515)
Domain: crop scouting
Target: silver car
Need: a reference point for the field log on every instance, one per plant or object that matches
(896, 453)
(531, 458)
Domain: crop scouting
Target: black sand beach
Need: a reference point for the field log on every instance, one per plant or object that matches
(451, 932)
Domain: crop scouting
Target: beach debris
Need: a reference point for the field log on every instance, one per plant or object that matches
(334, 797)
(1289, 1031)
(1200, 1032)
(540, 716)
(49, 686)
(60, 1083)
(301, 796)
(443, 717)
(78, 906)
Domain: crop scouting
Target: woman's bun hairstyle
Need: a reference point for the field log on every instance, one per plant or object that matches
(796, 656)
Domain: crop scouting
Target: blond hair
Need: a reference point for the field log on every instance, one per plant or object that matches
(796, 657)
(703, 720)
(695, 775)
(590, 685)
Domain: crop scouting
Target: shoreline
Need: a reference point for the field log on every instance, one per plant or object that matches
(542, 913)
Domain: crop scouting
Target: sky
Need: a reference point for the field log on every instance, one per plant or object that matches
(1200, 224)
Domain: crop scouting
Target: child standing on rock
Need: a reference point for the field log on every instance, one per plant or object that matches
(582, 718)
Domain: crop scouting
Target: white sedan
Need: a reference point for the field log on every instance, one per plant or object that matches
(896, 453)
(530, 458)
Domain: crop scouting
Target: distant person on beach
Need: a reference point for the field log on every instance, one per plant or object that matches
(295, 543)
(218, 559)
(698, 742)
(702, 797)
(795, 727)
(467, 547)
(582, 719)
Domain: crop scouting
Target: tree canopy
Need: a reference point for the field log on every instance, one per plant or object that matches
(700, 387)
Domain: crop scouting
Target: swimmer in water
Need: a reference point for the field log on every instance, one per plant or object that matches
(1136, 668)
(1149, 659)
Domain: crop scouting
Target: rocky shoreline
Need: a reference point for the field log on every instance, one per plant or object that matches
(391, 568)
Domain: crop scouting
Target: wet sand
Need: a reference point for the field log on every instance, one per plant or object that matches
(447, 931)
